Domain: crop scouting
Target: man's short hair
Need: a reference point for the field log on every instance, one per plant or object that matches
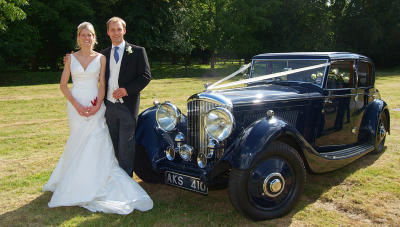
(116, 19)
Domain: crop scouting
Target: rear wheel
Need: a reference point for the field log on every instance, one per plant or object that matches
(142, 166)
(380, 134)
(272, 186)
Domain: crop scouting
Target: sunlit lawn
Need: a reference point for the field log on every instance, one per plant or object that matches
(34, 129)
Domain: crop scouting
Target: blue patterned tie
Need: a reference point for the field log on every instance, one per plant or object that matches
(116, 55)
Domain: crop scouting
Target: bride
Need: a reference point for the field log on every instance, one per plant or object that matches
(88, 174)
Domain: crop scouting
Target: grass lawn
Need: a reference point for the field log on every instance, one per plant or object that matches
(34, 129)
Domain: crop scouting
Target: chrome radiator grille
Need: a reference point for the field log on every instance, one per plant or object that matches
(197, 135)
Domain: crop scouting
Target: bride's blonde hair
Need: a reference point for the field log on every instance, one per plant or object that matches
(90, 28)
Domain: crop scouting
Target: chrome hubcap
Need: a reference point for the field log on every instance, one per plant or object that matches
(273, 185)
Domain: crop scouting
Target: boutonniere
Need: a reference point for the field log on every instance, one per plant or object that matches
(129, 49)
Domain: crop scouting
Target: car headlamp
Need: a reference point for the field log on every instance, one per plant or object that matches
(219, 123)
(167, 116)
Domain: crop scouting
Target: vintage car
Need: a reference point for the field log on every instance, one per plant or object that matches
(294, 112)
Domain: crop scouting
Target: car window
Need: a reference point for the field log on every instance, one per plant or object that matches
(364, 74)
(340, 75)
(266, 67)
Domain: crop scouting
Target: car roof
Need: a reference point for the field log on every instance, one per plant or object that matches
(313, 55)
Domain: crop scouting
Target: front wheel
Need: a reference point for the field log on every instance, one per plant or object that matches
(272, 186)
(142, 166)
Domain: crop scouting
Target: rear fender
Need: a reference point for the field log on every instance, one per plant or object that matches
(370, 120)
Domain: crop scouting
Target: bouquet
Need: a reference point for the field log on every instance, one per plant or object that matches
(94, 103)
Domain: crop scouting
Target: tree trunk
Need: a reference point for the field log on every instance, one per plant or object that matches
(174, 60)
(187, 63)
(34, 65)
(212, 59)
(54, 65)
(205, 57)
(187, 60)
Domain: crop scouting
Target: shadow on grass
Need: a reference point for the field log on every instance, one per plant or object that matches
(177, 207)
(317, 184)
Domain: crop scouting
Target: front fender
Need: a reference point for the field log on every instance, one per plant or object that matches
(256, 138)
(152, 138)
(370, 119)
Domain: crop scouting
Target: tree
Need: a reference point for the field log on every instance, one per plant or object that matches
(10, 11)
(300, 25)
(247, 26)
(47, 34)
(182, 30)
(209, 35)
(371, 27)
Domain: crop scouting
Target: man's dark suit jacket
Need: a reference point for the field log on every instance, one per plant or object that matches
(134, 75)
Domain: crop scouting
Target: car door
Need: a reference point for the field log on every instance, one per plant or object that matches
(339, 95)
(364, 92)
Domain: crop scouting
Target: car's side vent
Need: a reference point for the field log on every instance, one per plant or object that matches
(289, 116)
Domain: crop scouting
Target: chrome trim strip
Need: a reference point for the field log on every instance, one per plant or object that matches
(215, 98)
(295, 99)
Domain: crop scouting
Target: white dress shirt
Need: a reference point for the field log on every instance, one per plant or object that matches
(114, 72)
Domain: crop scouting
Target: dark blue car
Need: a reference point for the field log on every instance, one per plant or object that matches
(296, 112)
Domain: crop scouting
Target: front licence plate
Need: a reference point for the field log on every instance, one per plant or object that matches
(186, 182)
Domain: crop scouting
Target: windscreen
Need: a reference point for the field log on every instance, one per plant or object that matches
(267, 67)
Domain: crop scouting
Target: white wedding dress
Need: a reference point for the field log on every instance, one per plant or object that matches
(88, 174)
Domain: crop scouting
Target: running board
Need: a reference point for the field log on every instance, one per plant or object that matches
(348, 152)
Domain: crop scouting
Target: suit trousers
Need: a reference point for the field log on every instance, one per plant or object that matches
(122, 126)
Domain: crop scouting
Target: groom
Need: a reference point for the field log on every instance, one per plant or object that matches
(127, 73)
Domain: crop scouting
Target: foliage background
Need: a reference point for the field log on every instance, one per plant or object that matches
(36, 34)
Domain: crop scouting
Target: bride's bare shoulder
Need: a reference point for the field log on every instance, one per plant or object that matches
(102, 58)
(98, 53)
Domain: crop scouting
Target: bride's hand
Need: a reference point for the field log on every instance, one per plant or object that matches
(93, 109)
(83, 111)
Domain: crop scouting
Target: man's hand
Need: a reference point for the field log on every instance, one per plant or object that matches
(119, 93)
(66, 57)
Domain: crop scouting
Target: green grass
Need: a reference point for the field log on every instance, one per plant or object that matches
(34, 129)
